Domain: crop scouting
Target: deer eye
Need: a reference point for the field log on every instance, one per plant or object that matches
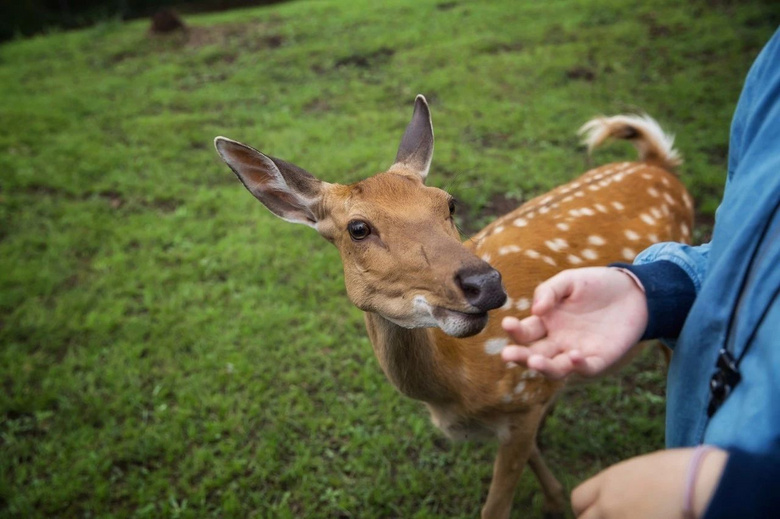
(453, 204)
(358, 229)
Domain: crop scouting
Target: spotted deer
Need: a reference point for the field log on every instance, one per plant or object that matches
(433, 304)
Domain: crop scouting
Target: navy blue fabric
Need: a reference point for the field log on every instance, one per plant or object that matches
(670, 293)
(749, 488)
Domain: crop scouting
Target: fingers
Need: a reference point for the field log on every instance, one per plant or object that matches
(554, 367)
(588, 366)
(548, 359)
(526, 331)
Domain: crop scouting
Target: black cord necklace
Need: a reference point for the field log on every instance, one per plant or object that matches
(727, 375)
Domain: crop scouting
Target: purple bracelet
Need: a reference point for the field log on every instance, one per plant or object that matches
(690, 480)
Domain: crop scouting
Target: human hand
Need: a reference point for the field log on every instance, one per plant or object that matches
(648, 487)
(582, 321)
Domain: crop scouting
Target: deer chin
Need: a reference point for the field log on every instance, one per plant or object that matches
(459, 324)
(452, 322)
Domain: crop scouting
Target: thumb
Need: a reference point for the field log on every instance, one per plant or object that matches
(550, 293)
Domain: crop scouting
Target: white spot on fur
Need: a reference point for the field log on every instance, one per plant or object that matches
(669, 198)
(574, 260)
(530, 373)
(652, 237)
(684, 229)
(520, 387)
(494, 346)
(523, 304)
(520, 222)
(649, 220)
(617, 205)
(600, 208)
(587, 211)
(562, 226)
(656, 212)
(532, 254)
(631, 235)
(595, 239)
(508, 249)
(628, 253)
(652, 192)
(589, 254)
(508, 304)
(549, 260)
(498, 229)
(557, 244)
(485, 258)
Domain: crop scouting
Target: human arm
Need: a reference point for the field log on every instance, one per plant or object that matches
(585, 320)
(651, 486)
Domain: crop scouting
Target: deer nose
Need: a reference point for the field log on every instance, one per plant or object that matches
(482, 287)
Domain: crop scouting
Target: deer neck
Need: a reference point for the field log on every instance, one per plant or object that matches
(410, 358)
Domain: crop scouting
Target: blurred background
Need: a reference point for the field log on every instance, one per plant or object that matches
(168, 348)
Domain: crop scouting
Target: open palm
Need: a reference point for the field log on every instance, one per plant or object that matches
(582, 321)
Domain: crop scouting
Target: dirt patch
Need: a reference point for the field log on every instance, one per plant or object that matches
(717, 155)
(703, 225)
(446, 6)
(247, 36)
(368, 60)
(470, 221)
(166, 21)
(501, 48)
(581, 72)
(114, 198)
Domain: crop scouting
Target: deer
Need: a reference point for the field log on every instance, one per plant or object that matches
(433, 303)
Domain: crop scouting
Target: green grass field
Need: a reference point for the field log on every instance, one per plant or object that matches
(170, 349)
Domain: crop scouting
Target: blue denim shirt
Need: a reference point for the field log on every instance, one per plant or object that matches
(736, 278)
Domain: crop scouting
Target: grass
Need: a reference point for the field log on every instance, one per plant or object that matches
(170, 349)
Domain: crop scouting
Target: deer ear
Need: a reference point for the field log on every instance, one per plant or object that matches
(416, 149)
(285, 189)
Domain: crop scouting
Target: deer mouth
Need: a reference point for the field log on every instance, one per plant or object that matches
(459, 324)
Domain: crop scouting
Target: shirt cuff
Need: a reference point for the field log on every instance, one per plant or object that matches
(669, 292)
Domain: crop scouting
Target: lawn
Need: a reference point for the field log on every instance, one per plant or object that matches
(170, 349)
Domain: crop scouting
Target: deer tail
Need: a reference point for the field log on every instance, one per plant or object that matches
(653, 144)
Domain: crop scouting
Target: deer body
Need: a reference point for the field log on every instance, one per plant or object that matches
(434, 304)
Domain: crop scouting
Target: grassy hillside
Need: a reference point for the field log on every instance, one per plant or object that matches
(170, 349)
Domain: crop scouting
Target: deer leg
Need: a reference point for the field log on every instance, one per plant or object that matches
(513, 454)
(554, 501)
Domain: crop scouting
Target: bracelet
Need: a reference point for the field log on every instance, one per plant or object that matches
(633, 277)
(690, 480)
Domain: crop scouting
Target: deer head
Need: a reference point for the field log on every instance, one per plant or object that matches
(402, 254)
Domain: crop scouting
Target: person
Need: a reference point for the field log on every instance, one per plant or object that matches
(717, 306)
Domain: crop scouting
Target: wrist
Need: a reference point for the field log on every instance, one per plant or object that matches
(704, 470)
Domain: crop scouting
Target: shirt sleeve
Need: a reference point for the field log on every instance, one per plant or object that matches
(747, 487)
(671, 275)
